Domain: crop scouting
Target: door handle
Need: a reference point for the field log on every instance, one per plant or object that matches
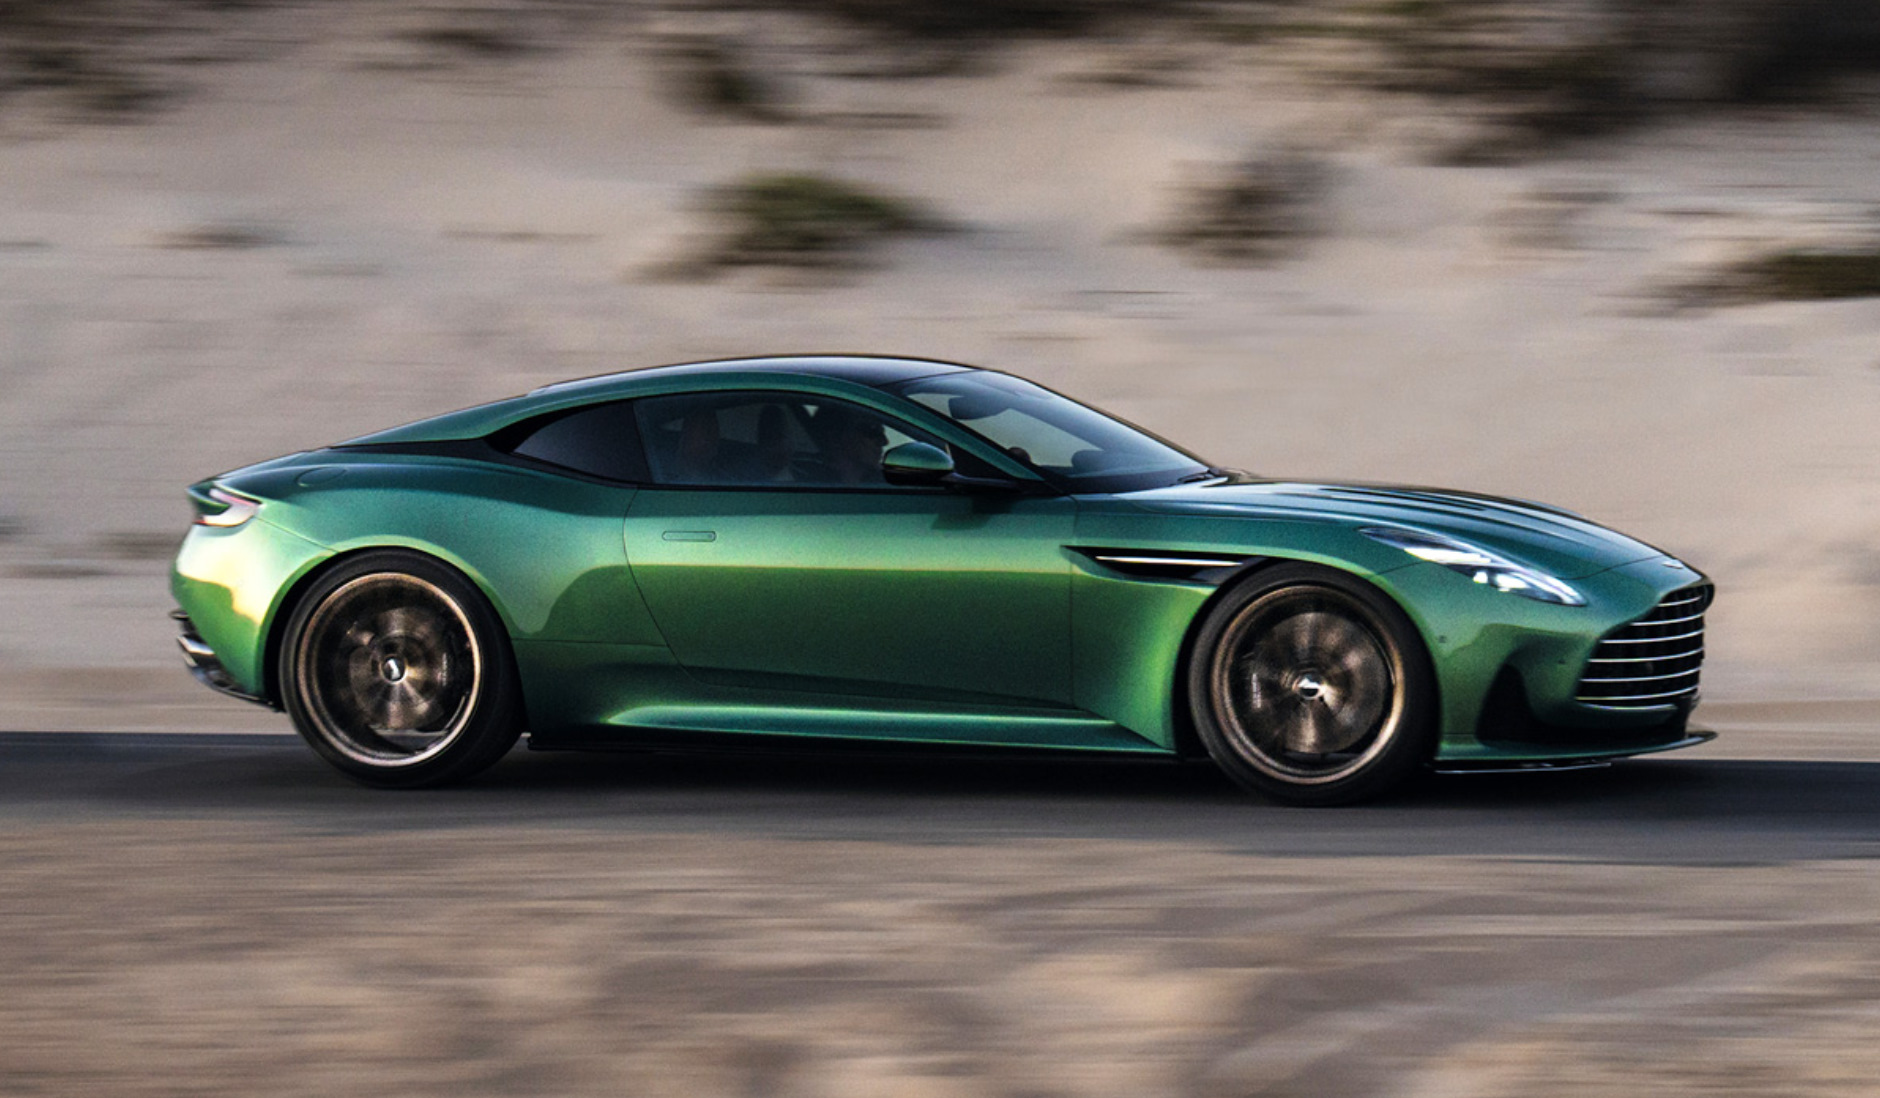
(690, 535)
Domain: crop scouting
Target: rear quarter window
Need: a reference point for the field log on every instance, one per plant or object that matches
(601, 441)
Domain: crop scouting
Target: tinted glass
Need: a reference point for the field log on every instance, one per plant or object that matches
(601, 441)
(750, 439)
(1070, 443)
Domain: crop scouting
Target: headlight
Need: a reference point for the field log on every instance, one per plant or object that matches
(1480, 565)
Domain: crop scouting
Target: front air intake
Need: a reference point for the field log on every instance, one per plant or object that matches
(1652, 662)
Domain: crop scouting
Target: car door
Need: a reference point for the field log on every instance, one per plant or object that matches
(772, 554)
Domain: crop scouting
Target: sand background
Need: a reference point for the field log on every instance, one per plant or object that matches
(337, 224)
(238, 228)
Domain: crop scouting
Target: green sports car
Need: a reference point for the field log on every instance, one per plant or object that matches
(813, 550)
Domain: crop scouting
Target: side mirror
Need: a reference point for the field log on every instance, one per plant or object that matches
(916, 463)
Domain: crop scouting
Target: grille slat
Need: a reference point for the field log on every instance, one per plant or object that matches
(1641, 701)
(1673, 599)
(1622, 674)
(1650, 640)
(1674, 621)
(1637, 659)
(1642, 678)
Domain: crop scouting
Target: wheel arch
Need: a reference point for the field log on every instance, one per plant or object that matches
(297, 592)
(1188, 743)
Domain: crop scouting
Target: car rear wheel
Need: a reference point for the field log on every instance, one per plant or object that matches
(398, 672)
(1311, 687)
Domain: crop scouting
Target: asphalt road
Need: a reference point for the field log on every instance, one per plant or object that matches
(1668, 810)
(224, 915)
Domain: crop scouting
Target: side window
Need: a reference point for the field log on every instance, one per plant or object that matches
(752, 439)
(601, 441)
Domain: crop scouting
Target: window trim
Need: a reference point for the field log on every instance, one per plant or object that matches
(1060, 483)
(497, 446)
(806, 396)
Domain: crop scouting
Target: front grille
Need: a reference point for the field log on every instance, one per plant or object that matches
(1651, 662)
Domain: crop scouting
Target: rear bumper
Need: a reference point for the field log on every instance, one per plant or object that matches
(204, 664)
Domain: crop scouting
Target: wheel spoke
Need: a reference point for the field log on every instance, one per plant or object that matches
(1304, 631)
(1314, 731)
(1339, 638)
(389, 669)
(403, 708)
(403, 622)
(1305, 685)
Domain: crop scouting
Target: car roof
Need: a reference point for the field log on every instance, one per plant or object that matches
(871, 370)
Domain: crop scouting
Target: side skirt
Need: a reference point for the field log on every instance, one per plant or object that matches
(793, 725)
(665, 741)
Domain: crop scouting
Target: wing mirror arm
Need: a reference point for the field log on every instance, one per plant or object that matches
(996, 486)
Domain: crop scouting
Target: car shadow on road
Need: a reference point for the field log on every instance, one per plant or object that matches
(1670, 809)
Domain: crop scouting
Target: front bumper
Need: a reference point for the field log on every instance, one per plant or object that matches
(1582, 757)
(1510, 669)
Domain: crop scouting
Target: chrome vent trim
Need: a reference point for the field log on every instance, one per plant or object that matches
(1164, 564)
(1653, 661)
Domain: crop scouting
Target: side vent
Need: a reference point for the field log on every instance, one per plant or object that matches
(1165, 564)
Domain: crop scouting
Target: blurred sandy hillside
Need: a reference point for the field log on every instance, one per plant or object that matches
(1618, 256)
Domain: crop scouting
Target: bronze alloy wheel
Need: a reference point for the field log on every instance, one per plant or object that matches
(396, 671)
(390, 669)
(1311, 687)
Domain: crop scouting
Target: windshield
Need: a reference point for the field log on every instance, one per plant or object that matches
(1078, 448)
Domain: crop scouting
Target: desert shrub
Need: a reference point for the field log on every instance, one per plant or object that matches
(1538, 72)
(709, 76)
(1257, 210)
(222, 236)
(990, 19)
(138, 545)
(1799, 49)
(1533, 74)
(473, 40)
(1794, 274)
(76, 53)
(952, 37)
(797, 220)
(106, 60)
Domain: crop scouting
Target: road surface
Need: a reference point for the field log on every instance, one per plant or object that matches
(222, 914)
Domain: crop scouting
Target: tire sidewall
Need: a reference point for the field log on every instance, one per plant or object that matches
(1415, 740)
(494, 722)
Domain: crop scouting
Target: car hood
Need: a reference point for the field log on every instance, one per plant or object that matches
(1556, 541)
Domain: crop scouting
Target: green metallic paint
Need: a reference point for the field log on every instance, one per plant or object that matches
(616, 695)
(917, 614)
(1557, 542)
(545, 549)
(232, 582)
(899, 593)
(1127, 639)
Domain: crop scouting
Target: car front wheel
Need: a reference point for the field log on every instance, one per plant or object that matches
(1312, 687)
(396, 671)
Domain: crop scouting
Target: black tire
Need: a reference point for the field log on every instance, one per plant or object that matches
(397, 671)
(1310, 686)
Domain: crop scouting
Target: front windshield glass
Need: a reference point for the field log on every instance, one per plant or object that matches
(1077, 447)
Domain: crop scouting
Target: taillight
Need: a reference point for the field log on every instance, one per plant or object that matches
(235, 510)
